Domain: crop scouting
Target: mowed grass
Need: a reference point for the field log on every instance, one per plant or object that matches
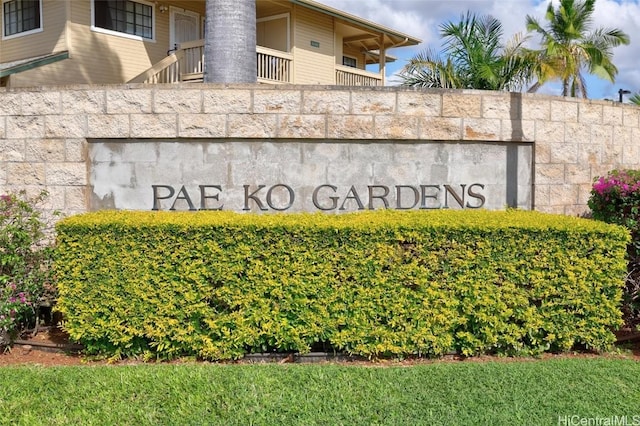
(540, 392)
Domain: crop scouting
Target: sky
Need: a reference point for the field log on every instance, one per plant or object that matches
(422, 18)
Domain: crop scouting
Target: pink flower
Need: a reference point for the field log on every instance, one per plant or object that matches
(602, 186)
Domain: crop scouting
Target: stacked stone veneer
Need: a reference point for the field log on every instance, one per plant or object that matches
(44, 132)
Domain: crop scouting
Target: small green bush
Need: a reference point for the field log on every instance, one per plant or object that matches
(218, 285)
(25, 258)
(615, 198)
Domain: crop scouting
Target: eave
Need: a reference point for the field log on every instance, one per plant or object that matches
(391, 37)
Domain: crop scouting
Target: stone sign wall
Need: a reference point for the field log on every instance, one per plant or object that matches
(219, 144)
(293, 175)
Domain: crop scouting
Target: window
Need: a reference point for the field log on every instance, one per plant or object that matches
(124, 16)
(348, 61)
(20, 17)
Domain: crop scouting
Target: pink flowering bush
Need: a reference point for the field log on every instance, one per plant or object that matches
(615, 198)
(13, 307)
(25, 256)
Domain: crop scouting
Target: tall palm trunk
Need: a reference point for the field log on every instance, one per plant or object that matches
(230, 41)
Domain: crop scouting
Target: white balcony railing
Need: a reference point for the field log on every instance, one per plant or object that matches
(186, 64)
(349, 76)
(274, 66)
(192, 62)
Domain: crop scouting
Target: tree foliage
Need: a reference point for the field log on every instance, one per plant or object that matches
(473, 57)
(569, 48)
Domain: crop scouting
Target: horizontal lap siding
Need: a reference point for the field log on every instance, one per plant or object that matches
(50, 40)
(313, 65)
(110, 58)
(98, 58)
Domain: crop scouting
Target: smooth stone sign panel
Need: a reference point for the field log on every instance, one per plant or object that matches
(295, 176)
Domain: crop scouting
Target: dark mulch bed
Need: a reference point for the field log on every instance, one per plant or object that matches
(51, 347)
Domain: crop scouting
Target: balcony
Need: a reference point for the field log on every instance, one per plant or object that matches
(273, 67)
(349, 76)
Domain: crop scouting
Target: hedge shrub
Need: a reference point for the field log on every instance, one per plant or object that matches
(218, 285)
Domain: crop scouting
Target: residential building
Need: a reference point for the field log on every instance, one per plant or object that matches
(60, 42)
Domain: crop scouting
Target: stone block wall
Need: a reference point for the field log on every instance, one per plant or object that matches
(44, 132)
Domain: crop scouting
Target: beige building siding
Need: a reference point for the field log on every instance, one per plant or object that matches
(313, 65)
(96, 57)
(50, 39)
(342, 50)
(268, 8)
(273, 33)
(112, 58)
(264, 36)
(352, 53)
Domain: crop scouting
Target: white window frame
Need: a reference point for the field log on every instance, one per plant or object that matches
(280, 16)
(23, 33)
(126, 35)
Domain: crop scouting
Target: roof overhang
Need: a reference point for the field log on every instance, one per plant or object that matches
(373, 57)
(27, 64)
(372, 37)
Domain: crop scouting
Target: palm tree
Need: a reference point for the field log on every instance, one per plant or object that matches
(568, 48)
(230, 41)
(475, 58)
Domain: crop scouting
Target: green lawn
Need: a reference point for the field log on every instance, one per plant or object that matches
(493, 393)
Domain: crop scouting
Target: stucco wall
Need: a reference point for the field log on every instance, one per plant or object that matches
(45, 132)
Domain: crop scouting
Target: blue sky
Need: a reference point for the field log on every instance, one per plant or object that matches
(421, 18)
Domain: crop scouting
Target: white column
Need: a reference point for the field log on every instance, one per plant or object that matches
(383, 59)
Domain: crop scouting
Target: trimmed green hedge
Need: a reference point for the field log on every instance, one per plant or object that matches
(218, 285)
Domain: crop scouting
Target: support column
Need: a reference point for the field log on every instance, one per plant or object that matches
(383, 59)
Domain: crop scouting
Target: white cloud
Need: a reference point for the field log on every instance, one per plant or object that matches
(626, 16)
(422, 18)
